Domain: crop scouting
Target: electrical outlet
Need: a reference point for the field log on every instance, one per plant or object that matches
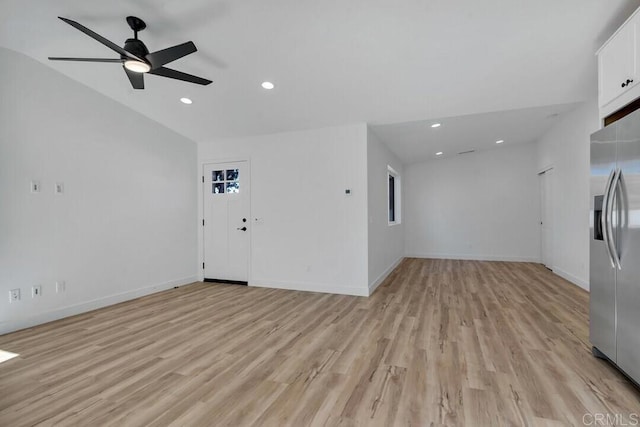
(35, 186)
(36, 291)
(59, 188)
(14, 295)
(61, 286)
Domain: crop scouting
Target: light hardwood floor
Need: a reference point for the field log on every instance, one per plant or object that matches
(439, 343)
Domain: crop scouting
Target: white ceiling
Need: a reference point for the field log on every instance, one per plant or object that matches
(417, 141)
(333, 62)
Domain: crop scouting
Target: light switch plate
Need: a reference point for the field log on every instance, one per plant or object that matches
(14, 295)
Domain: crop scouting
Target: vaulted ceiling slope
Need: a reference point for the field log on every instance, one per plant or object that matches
(333, 61)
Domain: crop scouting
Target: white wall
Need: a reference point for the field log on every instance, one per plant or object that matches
(386, 243)
(312, 237)
(483, 205)
(566, 148)
(126, 223)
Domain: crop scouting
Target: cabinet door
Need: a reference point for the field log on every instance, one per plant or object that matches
(616, 63)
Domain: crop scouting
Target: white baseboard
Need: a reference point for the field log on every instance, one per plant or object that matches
(16, 324)
(311, 287)
(584, 284)
(507, 258)
(373, 286)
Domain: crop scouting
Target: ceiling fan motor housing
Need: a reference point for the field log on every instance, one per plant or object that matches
(136, 47)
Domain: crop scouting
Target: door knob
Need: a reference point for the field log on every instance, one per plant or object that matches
(242, 229)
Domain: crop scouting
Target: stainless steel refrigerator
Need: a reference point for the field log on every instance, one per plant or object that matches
(615, 244)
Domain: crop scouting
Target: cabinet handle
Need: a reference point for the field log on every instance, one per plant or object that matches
(627, 82)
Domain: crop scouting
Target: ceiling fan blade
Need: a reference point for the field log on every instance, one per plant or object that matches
(111, 45)
(57, 58)
(136, 79)
(178, 75)
(161, 57)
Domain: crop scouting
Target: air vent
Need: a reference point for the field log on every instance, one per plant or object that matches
(467, 152)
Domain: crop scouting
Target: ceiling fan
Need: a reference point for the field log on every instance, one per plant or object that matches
(135, 57)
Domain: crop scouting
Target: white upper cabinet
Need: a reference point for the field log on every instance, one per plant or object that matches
(618, 73)
(617, 65)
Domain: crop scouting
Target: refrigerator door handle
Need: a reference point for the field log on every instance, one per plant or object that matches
(611, 240)
(605, 217)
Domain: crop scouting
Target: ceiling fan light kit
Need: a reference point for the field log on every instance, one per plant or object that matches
(137, 66)
(135, 57)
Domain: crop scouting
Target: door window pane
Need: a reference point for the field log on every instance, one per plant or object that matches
(218, 188)
(232, 174)
(217, 176)
(233, 187)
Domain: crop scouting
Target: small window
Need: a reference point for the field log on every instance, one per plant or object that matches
(392, 198)
(393, 191)
(225, 181)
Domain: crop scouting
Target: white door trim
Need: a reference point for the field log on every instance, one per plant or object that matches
(547, 240)
(201, 208)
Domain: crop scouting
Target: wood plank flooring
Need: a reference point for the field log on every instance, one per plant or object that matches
(441, 342)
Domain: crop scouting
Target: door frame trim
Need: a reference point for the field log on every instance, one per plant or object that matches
(201, 217)
(543, 171)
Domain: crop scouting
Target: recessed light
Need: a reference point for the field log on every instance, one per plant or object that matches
(186, 101)
(439, 153)
(500, 141)
(436, 125)
(268, 85)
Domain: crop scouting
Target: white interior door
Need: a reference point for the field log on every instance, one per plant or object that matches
(226, 221)
(546, 217)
